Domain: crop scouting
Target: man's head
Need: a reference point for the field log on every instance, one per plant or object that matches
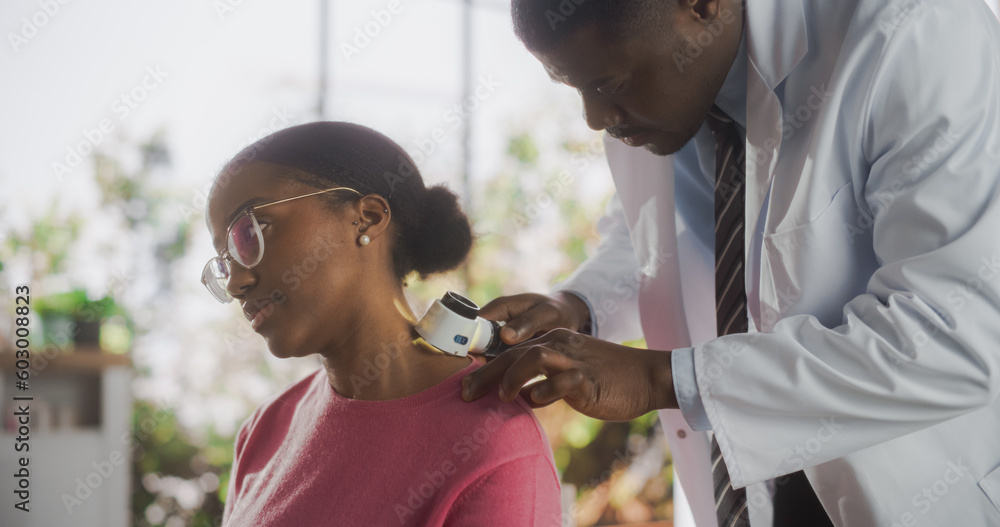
(648, 70)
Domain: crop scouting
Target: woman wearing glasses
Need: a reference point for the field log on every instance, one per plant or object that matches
(316, 227)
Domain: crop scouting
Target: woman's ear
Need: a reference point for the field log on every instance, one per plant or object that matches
(373, 216)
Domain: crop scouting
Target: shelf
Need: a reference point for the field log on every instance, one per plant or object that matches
(82, 359)
(76, 433)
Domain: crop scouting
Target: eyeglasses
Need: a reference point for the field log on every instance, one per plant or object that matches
(244, 245)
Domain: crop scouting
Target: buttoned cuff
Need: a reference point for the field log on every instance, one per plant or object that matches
(686, 389)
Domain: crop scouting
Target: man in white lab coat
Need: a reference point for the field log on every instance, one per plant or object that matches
(872, 133)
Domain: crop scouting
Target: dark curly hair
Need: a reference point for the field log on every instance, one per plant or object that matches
(432, 233)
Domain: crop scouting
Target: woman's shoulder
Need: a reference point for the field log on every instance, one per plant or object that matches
(503, 451)
(505, 430)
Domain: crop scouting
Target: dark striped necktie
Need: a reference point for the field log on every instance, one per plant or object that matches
(730, 292)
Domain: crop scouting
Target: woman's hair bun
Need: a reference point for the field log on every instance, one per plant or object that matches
(444, 238)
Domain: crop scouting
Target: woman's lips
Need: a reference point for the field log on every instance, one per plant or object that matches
(258, 319)
(263, 311)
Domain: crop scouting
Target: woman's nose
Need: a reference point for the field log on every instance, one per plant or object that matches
(600, 113)
(241, 280)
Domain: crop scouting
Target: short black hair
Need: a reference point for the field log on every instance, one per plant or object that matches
(432, 233)
(541, 25)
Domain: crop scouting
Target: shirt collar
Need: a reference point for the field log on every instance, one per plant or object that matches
(732, 98)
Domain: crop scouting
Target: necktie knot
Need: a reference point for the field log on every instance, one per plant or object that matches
(718, 121)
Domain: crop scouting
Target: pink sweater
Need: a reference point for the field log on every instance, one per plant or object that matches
(313, 457)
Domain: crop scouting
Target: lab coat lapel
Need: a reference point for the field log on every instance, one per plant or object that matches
(772, 55)
(645, 185)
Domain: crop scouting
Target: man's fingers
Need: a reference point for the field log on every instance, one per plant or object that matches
(507, 307)
(536, 321)
(479, 382)
(567, 383)
(526, 315)
(537, 360)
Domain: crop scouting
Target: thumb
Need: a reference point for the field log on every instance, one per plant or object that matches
(512, 335)
(506, 308)
(520, 314)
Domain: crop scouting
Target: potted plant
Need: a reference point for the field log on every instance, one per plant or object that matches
(73, 317)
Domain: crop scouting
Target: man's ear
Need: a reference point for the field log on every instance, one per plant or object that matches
(373, 215)
(706, 10)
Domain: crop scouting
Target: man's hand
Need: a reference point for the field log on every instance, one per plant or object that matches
(530, 314)
(597, 378)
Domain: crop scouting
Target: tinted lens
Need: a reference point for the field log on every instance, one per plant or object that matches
(244, 241)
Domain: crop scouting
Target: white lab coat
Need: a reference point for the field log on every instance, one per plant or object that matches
(873, 362)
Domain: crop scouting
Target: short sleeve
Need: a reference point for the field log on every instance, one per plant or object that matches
(524, 491)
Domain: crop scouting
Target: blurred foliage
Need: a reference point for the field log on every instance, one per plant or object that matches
(176, 480)
(77, 302)
(179, 477)
(46, 243)
(523, 149)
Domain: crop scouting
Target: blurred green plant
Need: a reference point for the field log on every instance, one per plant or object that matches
(175, 477)
(46, 243)
(72, 302)
(101, 321)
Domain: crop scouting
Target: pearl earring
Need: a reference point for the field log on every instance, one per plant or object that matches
(364, 239)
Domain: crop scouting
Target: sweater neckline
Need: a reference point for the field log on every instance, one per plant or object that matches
(450, 387)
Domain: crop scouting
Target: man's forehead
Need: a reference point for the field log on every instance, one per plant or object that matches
(580, 61)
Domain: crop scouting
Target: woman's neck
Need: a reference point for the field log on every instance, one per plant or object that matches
(384, 358)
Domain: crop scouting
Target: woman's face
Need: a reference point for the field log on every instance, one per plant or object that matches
(310, 272)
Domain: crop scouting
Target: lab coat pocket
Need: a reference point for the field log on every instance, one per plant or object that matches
(990, 485)
(815, 268)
